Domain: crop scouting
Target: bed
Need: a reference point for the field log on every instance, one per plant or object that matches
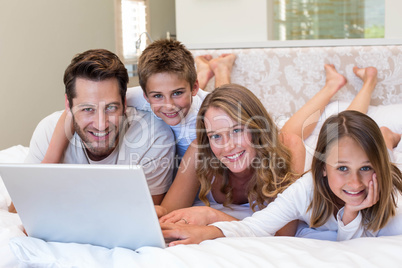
(17, 250)
(294, 74)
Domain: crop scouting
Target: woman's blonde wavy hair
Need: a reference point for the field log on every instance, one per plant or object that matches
(367, 134)
(272, 164)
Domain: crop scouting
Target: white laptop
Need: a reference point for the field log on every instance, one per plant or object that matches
(104, 205)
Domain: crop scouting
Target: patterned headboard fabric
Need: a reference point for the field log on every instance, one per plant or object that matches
(285, 78)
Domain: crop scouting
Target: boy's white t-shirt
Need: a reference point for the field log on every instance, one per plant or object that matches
(185, 131)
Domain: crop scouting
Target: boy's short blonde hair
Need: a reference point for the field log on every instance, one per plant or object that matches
(166, 56)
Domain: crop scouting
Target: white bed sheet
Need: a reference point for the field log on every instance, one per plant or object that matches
(17, 250)
(223, 252)
(10, 224)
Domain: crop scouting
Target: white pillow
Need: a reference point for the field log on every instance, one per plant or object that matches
(15, 154)
(387, 115)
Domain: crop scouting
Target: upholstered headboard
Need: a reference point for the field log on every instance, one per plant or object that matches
(285, 78)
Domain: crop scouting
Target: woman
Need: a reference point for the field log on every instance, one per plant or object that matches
(239, 157)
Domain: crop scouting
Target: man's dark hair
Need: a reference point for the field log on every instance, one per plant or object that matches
(95, 65)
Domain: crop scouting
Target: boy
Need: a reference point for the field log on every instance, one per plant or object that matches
(170, 86)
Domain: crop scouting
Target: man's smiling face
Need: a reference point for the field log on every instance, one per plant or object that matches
(98, 114)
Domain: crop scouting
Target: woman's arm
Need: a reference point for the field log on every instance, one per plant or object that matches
(185, 186)
(189, 234)
(178, 201)
(157, 199)
(198, 215)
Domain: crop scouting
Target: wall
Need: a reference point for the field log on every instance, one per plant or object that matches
(221, 21)
(202, 23)
(37, 41)
(393, 27)
(161, 18)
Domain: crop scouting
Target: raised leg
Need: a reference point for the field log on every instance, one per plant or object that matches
(222, 68)
(362, 100)
(302, 123)
(391, 138)
(204, 71)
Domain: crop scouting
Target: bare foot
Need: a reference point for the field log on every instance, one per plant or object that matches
(223, 63)
(391, 138)
(334, 80)
(204, 71)
(362, 100)
(368, 75)
(222, 68)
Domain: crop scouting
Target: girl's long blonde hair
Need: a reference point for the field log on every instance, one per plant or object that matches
(367, 134)
(272, 166)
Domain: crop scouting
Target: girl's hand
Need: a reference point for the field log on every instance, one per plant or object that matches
(188, 234)
(351, 211)
(193, 215)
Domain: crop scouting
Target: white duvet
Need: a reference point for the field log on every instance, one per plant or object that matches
(223, 252)
(17, 250)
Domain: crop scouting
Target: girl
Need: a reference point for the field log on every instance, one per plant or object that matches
(351, 191)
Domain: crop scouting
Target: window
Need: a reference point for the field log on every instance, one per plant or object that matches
(130, 25)
(328, 19)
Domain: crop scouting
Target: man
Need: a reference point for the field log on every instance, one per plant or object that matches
(105, 130)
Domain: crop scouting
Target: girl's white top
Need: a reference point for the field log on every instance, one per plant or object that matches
(292, 205)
